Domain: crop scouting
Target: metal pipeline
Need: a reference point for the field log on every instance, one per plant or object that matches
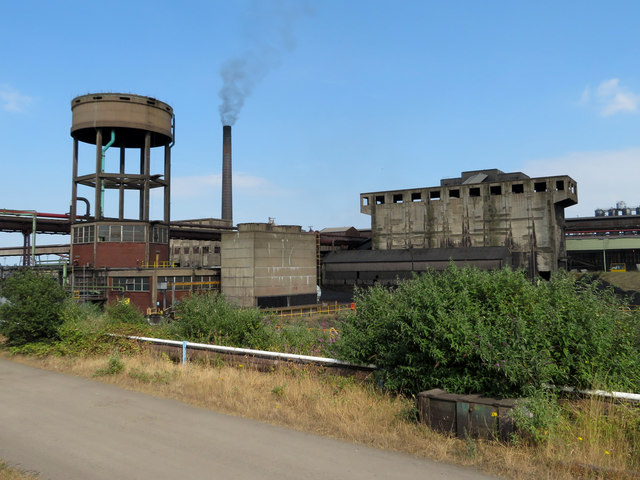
(104, 151)
(27, 213)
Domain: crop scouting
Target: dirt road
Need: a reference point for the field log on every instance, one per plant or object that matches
(72, 428)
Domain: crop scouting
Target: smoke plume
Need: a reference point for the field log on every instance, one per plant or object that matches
(269, 37)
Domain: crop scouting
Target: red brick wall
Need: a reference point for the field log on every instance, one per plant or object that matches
(119, 255)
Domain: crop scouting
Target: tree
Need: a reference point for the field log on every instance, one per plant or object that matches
(32, 310)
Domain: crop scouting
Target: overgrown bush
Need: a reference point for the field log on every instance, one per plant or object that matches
(471, 331)
(32, 310)
(123, 312)
(209, 318)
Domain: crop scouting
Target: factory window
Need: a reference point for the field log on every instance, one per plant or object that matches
(176, 250)
(540, 187)
(474, 192)
(205, 250)
(216, 249)
(517, 188)
(185, 250)
(559, 185)
(132, 284)
(495, 190)
(196, 249)
(160, 234)
(455, 193)
(115, 233)
(380, 199)
(121, 233)
(434, 195)
(416, 197)
(133, 233)
(83, 234)
(365, 201)
(397, 198)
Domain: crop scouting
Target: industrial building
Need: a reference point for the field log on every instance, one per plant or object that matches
(486, 218)
(117, 251)
(610, 237)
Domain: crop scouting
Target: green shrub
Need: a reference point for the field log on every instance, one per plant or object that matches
(124, 313)
(114, 367)
(32, 312)
(209, 318)
(471, 331)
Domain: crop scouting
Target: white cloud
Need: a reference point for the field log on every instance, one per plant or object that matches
(206, 185)
(610, 98)
(603, 178)
(12, 100)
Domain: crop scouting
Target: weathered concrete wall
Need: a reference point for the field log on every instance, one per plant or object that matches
(264, 260)
(195, 253)
(524, 214)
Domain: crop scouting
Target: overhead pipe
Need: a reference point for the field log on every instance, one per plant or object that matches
(104, 151)
(27, 213)
(86, 201)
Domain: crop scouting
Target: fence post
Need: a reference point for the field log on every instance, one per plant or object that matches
(184, 352)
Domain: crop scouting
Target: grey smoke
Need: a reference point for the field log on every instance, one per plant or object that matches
(269, 38)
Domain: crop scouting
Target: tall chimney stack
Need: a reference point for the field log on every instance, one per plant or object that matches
(227, 207)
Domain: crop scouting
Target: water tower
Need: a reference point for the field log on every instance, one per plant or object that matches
(133, 125)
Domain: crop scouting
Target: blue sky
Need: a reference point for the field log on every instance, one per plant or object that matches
(348, 97)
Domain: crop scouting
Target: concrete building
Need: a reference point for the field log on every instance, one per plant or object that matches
(483, 208)
(267, 265)
(484, 218)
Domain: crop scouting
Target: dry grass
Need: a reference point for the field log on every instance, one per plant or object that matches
(339, 407)
(8, 473)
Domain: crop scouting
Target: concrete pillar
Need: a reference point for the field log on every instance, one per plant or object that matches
(167, 187)
(98, 200)
(121, 193)
(147, 173)
(74, 184)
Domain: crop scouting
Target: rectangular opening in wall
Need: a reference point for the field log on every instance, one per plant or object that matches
(455, 193)
(434, 195)
(379, 199)
(397, 198)
(474, 192)
(365, 201)
(559, 185)
(540, 187)
(416, 197)
(495, 190)
(517, 188)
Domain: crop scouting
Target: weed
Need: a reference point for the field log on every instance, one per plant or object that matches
(278, 390)
(114, 367)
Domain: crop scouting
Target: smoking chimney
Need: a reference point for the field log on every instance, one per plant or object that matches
(227, 207)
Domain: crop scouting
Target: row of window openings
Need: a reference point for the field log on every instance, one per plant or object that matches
(538, 187)
(141, 284)
(202, 282)
(120, 233)
(188, 250)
